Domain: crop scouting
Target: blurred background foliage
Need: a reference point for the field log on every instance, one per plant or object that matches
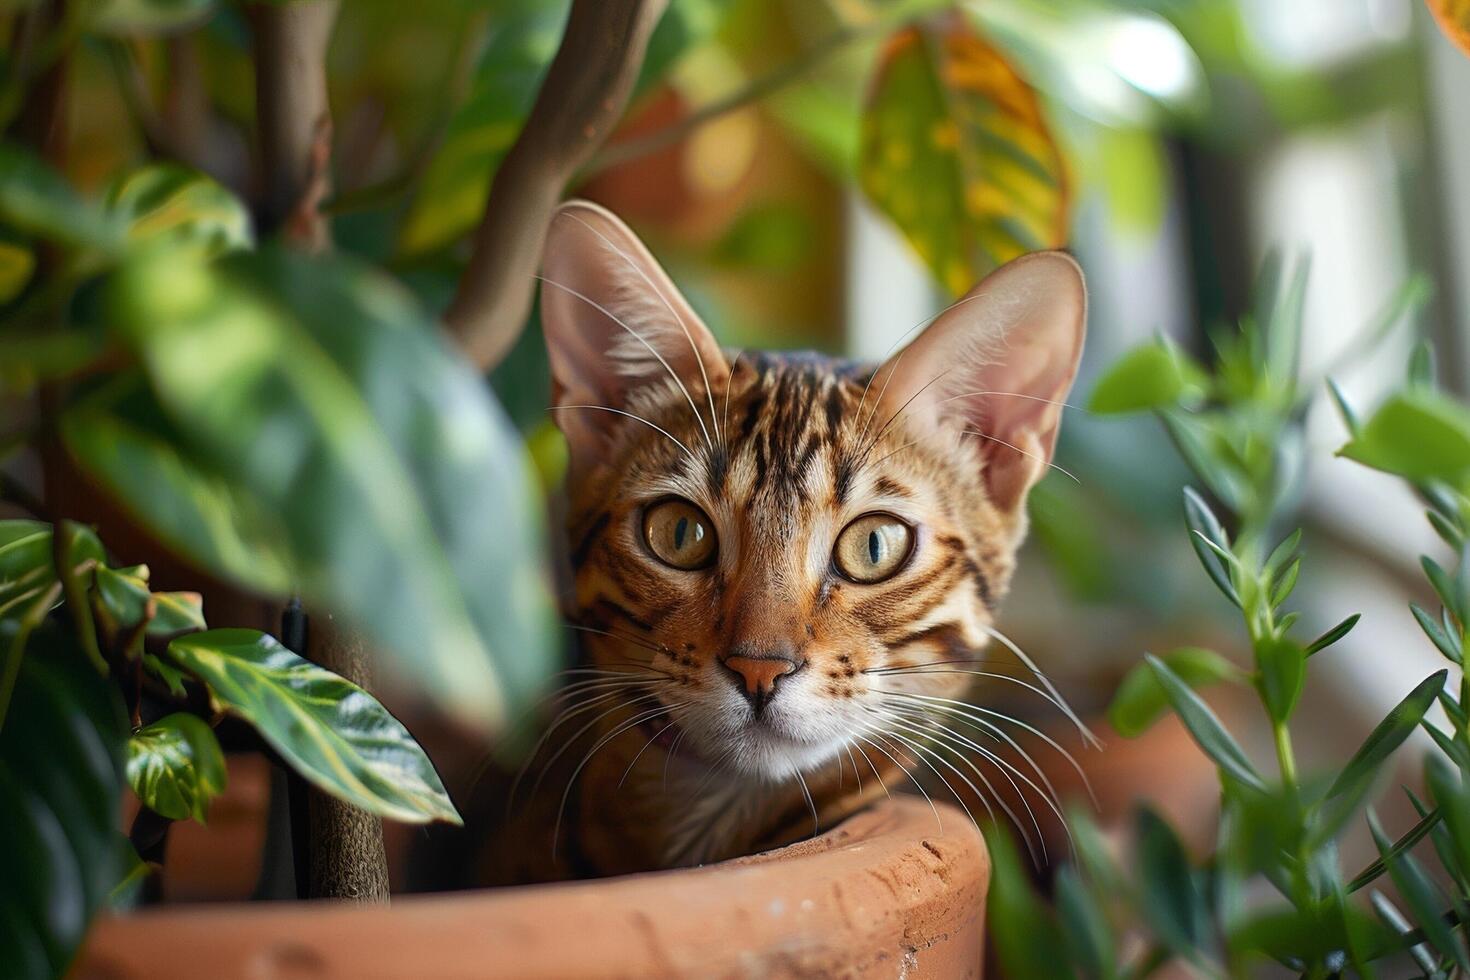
(827, 174)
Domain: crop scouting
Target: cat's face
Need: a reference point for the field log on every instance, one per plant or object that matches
(794, 551)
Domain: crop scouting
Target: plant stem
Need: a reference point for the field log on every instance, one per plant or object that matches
(1284, 755)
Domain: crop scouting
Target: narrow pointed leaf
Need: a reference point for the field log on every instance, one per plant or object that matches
(1205, 727)
(1406, 842)
(1333, 635)
(1387, 736)
(1437, 635)
(1422, 896)
(1140, 699)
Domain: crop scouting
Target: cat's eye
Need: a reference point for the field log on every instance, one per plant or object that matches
(679, 534)
(872, 548)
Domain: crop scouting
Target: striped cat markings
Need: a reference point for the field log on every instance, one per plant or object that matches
(786, 566)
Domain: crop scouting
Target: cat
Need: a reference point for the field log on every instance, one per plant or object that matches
(775, 556)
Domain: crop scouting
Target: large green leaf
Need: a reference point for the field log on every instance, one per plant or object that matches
(1028, 940)
(1418, 434)
(123, 596)
(319, 390)
(120, 439)
(956, 151)
(61, 783)
(331, 731)
(176, 767)
(165, 199)
(452, 193)
(27, 564)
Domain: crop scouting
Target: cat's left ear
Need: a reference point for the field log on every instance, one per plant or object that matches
(997, 365)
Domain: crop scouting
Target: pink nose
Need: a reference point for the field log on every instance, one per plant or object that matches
(760, 673)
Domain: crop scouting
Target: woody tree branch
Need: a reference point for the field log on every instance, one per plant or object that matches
(344, 852)
(585, 92)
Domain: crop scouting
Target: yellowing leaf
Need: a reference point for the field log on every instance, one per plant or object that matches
(956, 151)
(1453, 17)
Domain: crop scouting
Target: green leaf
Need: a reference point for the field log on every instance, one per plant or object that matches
(451, 195)
(1386, 736)
(1283, 665)
(176, 767)
(1446, 642)
(1205, 530)
(1405, 843)
(1418, 434)
(1171, 899)
(1333, 635)
(61, 780)
(1452, 799)
(29, 356)
(1349, 416)
(171, 676)
(121, 441)
(1205, 727)
(27, 565)
(36, 200)
(319, 389)
(165, 200)
(1284, 587)
(131, 17)
(1421, 895)
(1153, 376)
(956, 151)
(1084, 927)
(1444, 585)
(328, 729)
(1026, 937)
(124, 598)
(1140, 700)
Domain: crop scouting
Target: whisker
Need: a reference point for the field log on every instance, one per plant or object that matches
(654, 738)
(631, 723)
(637, 418)
(1011, 394)
(536, 787)
(920, 752)
(909, 672)
(1010, 644)
(673, 749)
(698, 357)
(1041, 459)
(974, 711)
(811, 804)
(906, 772)
(651, 349)
(853, 745)
(1015, 819)
(561, 719)
(847, 744)
(729, 383)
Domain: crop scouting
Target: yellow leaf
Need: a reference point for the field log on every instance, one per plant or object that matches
(957, 152)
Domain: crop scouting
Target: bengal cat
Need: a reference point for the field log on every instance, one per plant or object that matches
(785, 566)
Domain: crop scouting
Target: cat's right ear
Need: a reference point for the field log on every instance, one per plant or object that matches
(613, 322)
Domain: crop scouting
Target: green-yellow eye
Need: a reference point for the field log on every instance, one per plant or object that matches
(679, 534)
(872, 548)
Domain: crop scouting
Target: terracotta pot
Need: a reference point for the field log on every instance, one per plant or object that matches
(885, 894)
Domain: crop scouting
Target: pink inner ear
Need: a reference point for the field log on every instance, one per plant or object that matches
(614, 322)
(996, 365)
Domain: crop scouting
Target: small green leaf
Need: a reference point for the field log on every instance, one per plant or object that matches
(1452, 799)
(176, 767)
(1282, 664)
(172, 677)
(1405, 843)
(1205, 727)
(124, 598)
(1386, 736)
(1283, 589)
(36, 200)
(1418, 434)
(1281, 554)
(1447, 643)
(330, 730)
(1153, 376)
(1345, 409)
(1208, 538)
(167, 200)
(1140, 700)
(1444, 585)
(16, 265)
(1333, 635)
(1422, 896)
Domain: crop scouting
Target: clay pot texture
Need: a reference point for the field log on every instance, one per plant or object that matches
(889, 893)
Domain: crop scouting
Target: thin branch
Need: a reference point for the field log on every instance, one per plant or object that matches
(584, 94)
(618, 153)
(293, 119)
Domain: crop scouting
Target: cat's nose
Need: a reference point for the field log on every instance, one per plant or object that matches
(756, 674)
